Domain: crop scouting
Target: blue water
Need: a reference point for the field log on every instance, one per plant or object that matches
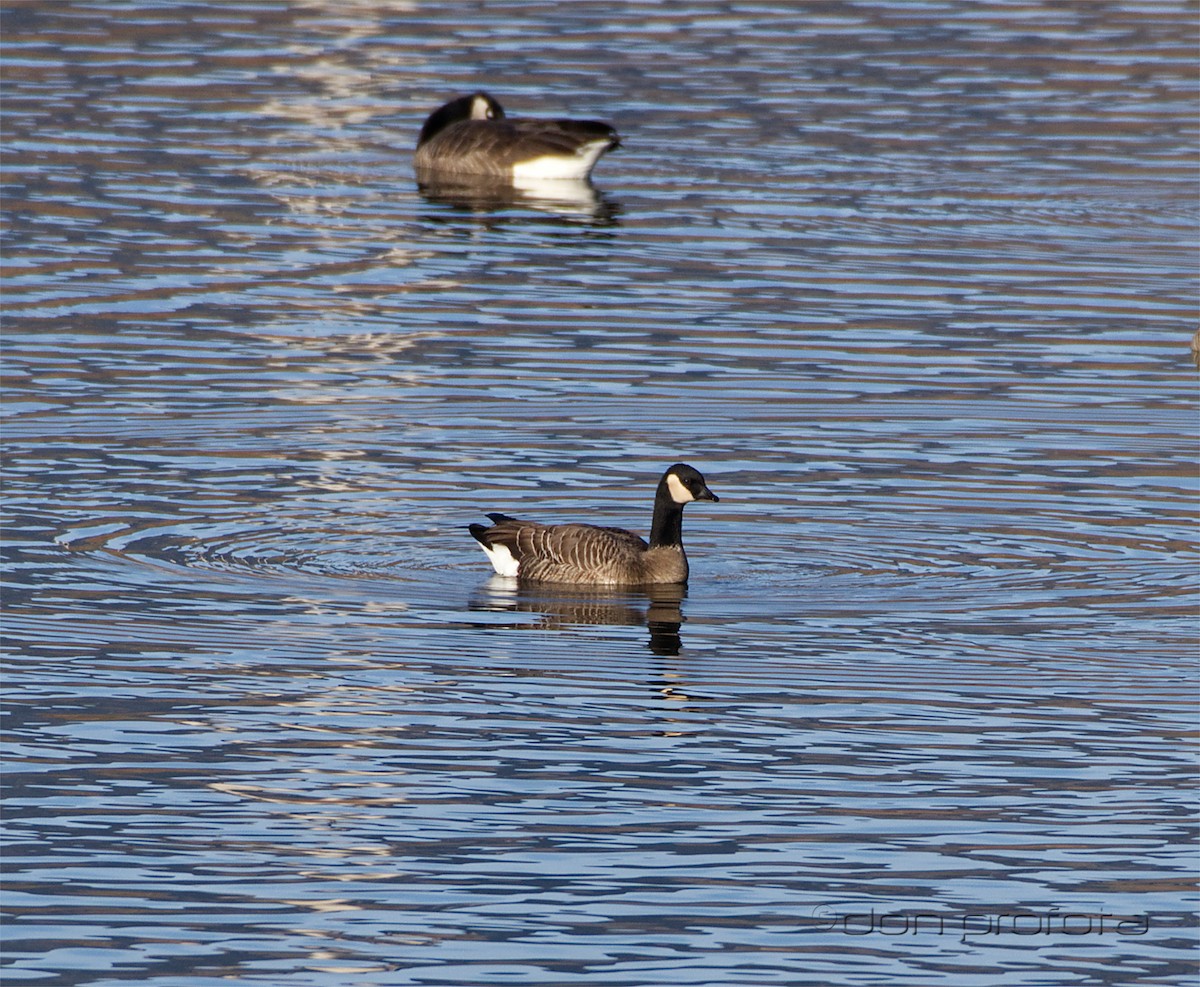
(912, 284)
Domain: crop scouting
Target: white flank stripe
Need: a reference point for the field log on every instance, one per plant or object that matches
(576, 166)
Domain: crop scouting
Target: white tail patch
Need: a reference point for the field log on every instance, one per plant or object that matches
(679, 493)
(501, 558)
(575, 166)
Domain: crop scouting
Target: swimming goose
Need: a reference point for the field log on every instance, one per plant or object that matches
(584, 553)
(472, 136)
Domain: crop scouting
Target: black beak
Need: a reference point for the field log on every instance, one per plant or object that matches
(707, 494)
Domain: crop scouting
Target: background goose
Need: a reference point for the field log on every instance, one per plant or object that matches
(584, 553)
(472, 136)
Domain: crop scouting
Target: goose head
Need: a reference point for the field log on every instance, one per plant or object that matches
(683, 484)
(477, 106)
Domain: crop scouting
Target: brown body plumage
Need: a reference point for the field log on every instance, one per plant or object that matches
(585, 553)
(473, 136)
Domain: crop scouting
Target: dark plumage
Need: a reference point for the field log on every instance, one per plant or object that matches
(585, 553)
(473, 136)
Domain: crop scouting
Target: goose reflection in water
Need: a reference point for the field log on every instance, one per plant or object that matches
(571, 199)
(658, 607)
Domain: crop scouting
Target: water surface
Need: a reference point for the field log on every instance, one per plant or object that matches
(911, 283)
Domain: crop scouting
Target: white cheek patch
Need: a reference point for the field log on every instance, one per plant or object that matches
(679, 493)
(502, 559)
(480, 110)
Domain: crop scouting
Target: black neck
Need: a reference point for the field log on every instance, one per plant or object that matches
(666, 530)
(459, 109)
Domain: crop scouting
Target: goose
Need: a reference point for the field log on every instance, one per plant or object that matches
(472, 135)
(585, 553)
